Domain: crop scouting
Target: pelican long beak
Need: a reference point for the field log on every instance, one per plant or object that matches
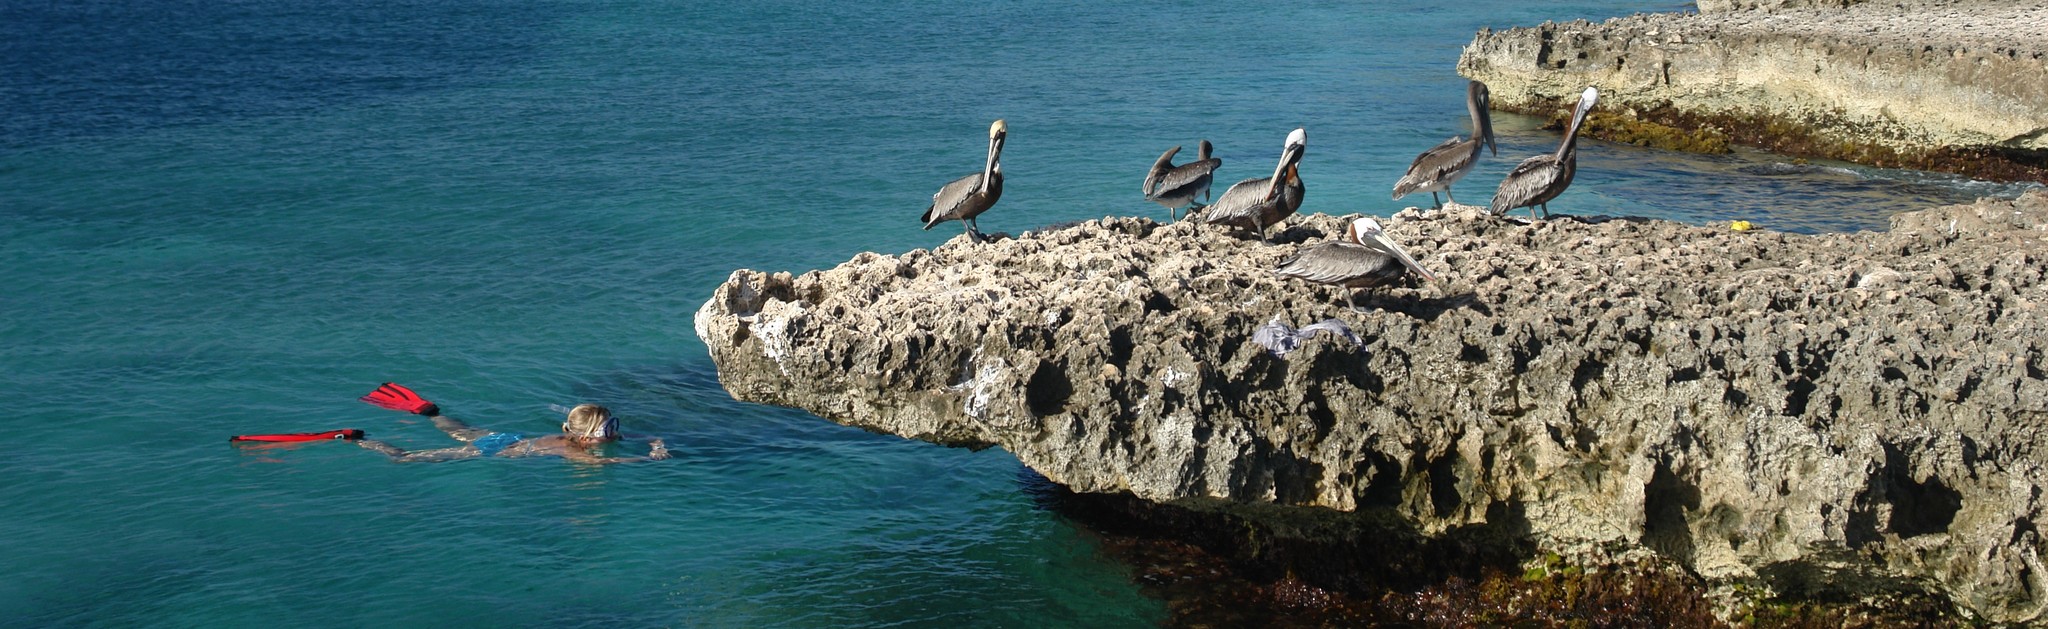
(995, 152)
(1288, 158)
(1486, 121)
(1380, 239)
(1586, 101)
(1571, 132)
(1479, 102)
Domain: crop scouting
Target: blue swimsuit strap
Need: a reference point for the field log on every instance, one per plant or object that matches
(495, 442)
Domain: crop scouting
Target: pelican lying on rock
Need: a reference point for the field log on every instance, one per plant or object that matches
(969, 196)
(1259, 203)
(1539, 179)
(1437, 168)
(1364, 258)
(1175, 186)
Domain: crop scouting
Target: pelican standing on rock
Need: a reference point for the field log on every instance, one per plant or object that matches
(1175, 186)
(1437, 168)
(969, 196)
(1364, 258)
(1259, 203)
(1539, 179)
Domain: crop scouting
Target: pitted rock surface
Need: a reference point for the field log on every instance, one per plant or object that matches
(1742, 403)
(1725, 6)
(1909, 77)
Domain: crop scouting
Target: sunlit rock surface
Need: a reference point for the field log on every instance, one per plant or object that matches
(1724, 6)
(1751, 405)
(1956, 85)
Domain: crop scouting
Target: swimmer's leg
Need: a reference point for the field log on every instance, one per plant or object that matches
(455, 428)
(400, 455)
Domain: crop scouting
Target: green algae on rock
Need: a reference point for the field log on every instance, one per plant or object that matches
(1630, 127)
(1957, 86)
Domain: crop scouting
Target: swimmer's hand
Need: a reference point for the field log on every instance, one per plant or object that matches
(660, 451)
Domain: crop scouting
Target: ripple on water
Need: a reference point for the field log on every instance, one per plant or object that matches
(222, 218)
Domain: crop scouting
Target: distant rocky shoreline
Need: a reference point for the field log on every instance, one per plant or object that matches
(1957, 86)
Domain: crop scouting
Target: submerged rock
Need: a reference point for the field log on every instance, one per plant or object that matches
(1756, 407)
(1953, 85)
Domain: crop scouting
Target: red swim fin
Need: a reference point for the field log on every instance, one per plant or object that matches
(398, 398)
(345, 433)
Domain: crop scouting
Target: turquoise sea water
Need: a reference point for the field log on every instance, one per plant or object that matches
(236, 216)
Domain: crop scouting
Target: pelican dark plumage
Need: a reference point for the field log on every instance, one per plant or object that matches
(967, 197)
(1537, 180)
(1439, 167)
(1176, 186)
(1259, 203)
(1363, 258)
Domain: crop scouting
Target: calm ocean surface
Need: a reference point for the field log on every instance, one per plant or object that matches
(235, 216)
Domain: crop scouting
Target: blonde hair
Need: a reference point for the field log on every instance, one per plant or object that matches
(590, 421)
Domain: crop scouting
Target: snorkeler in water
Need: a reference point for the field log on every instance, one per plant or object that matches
(586, 427)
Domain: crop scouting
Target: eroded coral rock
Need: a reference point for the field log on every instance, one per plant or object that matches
(1953, 85)
(1742, 403)
(1725, 6)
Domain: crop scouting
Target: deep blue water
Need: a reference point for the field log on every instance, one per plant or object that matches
(236, 216)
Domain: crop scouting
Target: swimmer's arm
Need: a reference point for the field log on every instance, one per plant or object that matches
(659, 449)
(587, 458)
(658, 453)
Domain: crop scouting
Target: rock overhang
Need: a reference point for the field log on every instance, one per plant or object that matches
(1732, 400)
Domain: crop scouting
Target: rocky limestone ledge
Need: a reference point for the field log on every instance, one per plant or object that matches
(1958, 86)
(1725, 6)
(1742, 403)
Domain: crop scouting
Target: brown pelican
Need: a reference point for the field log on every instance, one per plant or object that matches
(1259, 203)
(1364, 258)
(1539, 179)
(969, 196)
(1175, 186)
(1437, 168)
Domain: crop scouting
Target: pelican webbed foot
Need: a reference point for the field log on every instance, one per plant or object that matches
(1351, 302)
